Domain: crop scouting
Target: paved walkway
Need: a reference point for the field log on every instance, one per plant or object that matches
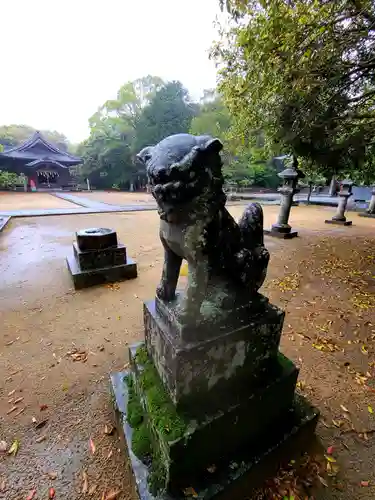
(73, 211)
(84, 202)
(3, 222)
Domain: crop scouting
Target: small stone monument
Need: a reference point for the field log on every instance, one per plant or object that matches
(99, 258)
(208, 399)
(288, 189)
(370, 212)
(345, 192)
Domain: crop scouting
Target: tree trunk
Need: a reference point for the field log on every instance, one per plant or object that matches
(332, 186)
(309, 193)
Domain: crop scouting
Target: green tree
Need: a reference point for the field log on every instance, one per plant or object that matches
(13, 135)
(303, 71)
(8, 180)
(169, 112)
(213, 117)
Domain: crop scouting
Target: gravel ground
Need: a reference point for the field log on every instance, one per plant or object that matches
(324, 280)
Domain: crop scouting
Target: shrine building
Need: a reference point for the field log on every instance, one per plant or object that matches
(44, 165)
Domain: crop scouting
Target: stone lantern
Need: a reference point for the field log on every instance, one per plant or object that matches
(345, 192)
(370, 212)
(288, 189)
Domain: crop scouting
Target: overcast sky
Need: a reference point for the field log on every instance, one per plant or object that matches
(61, 59)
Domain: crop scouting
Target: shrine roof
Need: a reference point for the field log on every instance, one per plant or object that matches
(38, 148)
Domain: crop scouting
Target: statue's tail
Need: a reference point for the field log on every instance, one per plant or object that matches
(251, 226)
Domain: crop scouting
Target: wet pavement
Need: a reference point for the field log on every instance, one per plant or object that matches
(73, 211)
(83, 202)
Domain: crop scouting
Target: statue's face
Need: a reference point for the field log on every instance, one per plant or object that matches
(180, 168)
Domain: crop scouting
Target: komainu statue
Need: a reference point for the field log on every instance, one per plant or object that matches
(227, 261)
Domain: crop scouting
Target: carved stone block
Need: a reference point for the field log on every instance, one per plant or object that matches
(198, 374)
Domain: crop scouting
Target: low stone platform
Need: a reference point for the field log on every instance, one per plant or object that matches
(339, 222)
(86, 278)
(3, 222)
(98, 258)
(366, 214)
(224, 479)
(277, 234)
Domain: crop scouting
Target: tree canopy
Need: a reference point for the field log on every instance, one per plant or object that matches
(144, 112)
(13, 135)
(302, 71)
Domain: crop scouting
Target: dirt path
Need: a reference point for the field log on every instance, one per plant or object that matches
(321, 279)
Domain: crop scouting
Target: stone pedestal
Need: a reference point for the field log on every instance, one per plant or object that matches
(98, 258)
(290, 177)
(370, 212)
(208, 411)
(344, 193)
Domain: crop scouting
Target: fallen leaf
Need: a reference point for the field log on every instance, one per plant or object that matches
(370, 410)
(31, 495)
(93, 489)
(190, 492)
(13, 450)
(112, 495)
(52, 475)
(34, 420)
(364, 350)
(3, 446)
(330, 459)
(344, 408)
(337, 423)
(109, 430)
(51, 493)
(365, 483)
(43, 407)
(20, 411)
(92, 446)
(330, 450)
(85, 482)
(41, 424)
(323, 481)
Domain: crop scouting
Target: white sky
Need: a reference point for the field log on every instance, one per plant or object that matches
(61, 59)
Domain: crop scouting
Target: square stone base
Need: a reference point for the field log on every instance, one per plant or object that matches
(203, 463)
(339, 222)
(87, 278)
(277, 234)
(366, 214)
(233, 357)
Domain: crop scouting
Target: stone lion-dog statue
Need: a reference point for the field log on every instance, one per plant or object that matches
(226, 259)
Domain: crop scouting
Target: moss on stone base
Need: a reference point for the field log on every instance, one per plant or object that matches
(141, 442)
(134, 410)
(161, 411)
